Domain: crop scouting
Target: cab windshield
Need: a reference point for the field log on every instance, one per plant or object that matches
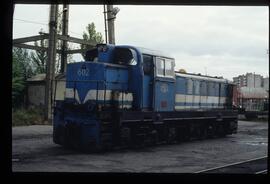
(124, 56)
(91, 55)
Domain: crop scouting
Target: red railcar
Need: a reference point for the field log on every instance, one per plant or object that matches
(251, 101)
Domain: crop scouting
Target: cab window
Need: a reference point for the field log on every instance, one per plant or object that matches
(169, 68)
(147, 64)
(164, 67)
(91, 55)
(160, 67)
(125, 56)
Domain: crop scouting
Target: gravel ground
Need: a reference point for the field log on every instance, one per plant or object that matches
(33, 150)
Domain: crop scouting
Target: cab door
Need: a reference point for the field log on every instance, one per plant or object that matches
(164, 85)
(148, 71)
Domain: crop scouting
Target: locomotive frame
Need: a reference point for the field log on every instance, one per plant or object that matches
(136, 128)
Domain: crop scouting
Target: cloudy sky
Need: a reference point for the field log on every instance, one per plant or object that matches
(217, 40)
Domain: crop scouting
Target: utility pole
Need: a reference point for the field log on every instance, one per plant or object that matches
(110, 19)
(64, 42)
(111, 15)
(105, 22)
(50, 67)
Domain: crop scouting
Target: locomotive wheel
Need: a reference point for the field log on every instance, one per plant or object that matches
(186, 135)
(137, 137)
(154, 137)
(151, 137)
(198, 132)
(171, 135)
(106, 136)
(203, 133)
(211, 131)
(125, 137)
(220, 131)
(179, 136)
(194, 131)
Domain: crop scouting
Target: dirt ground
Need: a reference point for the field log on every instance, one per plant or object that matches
(33, 150)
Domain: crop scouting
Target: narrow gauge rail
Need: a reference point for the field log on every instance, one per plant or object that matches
(253, 166)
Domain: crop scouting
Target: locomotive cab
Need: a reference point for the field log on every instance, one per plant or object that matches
(150, 74)
(158, 82)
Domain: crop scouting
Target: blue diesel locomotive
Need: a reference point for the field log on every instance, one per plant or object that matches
(129, 96)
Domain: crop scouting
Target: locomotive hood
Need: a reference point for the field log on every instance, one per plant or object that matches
(96, 83)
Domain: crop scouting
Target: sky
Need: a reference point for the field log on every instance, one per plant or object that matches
(215, 40)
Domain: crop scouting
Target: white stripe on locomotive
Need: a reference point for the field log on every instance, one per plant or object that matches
(92, 95)
(69, 93)
(215, 101)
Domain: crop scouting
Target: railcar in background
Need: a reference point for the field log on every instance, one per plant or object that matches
(251, 102)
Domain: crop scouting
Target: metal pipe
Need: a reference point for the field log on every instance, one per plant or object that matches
(110, 19)
(105, 22)
(64, 42)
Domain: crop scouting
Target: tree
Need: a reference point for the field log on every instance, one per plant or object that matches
(17, 81)
(22, 57)
(22, 69)
(91, 35)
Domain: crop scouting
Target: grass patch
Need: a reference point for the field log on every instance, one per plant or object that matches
(31, 116)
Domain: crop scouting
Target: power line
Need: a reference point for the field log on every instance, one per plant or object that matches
(75, 33)
(33, 22)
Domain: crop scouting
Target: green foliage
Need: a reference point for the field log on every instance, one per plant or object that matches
(21, 70)
(91, 35)
(17, 87)
(39, 57)
(17, 83)
(21, 57)
(31, 116)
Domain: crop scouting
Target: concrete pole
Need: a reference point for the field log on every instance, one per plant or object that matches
(50, 67)
(110, 19)
(64, 33)
(105, 22)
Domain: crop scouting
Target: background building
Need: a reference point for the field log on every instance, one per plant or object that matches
(252, 80)
(266, 83)
(36, 89)
(241, 80)
(252, 91)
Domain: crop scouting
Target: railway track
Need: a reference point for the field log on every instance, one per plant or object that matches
(253, 166)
